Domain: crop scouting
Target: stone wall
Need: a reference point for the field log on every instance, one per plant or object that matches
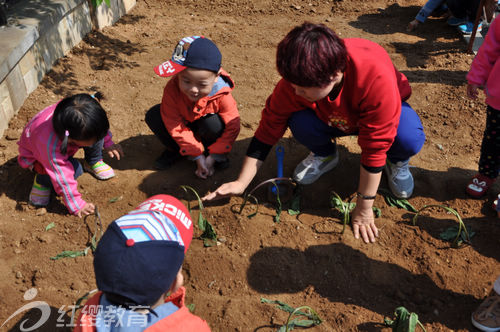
(38, 33)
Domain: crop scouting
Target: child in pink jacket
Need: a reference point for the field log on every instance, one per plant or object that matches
(485, 73)
(49, 142)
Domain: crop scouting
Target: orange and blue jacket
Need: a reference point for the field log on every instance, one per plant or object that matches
(177, 111)
(180, 321)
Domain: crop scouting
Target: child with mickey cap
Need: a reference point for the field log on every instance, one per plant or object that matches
(198, 117)
(138, 270)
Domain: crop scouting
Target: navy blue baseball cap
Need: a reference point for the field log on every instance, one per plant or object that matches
(193, 52)
(140, 254)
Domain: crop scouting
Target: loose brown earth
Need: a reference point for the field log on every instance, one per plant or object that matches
(302, 260)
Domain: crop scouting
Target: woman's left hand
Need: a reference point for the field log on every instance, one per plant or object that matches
(363, 221)
(115, 150)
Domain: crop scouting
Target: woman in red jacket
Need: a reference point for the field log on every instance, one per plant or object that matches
(334, 87)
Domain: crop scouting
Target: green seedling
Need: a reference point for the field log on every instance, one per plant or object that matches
(209, 235)
(307, 317)
(50, 226)
(116, 199)
(191, 307)
(404, 321)
(452, 232)
(295, 201)
(93, 240)
(345, 208)
(274, 182)
(459, 238)
(78, 302)
(400, 203)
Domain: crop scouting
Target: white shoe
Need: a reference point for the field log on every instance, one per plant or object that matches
(399, 178)
(311, 168)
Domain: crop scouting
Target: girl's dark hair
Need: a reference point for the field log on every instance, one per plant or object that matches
(80, 117)
(310, 54)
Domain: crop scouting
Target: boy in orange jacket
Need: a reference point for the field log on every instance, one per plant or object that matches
(138, 270)
(198, 117)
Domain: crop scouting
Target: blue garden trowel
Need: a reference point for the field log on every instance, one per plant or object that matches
(285, 188)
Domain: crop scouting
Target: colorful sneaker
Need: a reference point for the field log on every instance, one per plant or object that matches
(479, 185)
(100, 170)
(487, 316)
(311, 168)
(455, 21)
(467, 27)
(39, 195)
(399, 178)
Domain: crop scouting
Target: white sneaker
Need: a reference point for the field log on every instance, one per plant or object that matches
(311, 168)
(399, 178)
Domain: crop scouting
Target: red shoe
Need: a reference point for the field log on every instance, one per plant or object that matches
(479, 185)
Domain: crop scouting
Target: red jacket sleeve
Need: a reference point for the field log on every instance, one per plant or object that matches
(228, 111)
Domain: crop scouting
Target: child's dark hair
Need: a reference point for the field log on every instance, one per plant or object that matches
(80, 117)
(310, 54)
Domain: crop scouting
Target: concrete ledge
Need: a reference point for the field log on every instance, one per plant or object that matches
(40, 32)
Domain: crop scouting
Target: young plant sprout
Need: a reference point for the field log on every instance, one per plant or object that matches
(306, 316)
(461, 226)
(209, 235)
(93, 240)
(404, 321)
(345, 208)
(277, 183)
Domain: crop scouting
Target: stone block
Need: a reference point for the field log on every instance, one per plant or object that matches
(17, 89)
(79, 22)
(31, 80)
(27, 62)
(14, 43)
(6, 107)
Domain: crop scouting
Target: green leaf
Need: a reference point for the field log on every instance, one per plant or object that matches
(451, 233)
(108, 2)
(191, 307)
(400, 203)
(404, 321)
(50, 226)
(116, 199)
(295, 201)
(377, 212)
(311, 317)
(70, 254)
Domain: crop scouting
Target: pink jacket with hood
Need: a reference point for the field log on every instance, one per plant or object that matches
(40, 143)
(485, 69)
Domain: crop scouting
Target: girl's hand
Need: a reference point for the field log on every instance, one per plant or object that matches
(225, 190)
(363, 222)
(115, 150)
(472, 91)
(203, 171)
(87, 209)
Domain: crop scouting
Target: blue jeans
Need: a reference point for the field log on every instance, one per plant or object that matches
(92, 155)
(317, 136)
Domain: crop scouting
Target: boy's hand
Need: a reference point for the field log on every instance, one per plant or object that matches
(87, 209)
(412, 25)
(115, 150)
(472, 91)
(203, 171)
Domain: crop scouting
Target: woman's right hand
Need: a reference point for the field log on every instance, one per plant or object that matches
(87, 209)
(227, 189)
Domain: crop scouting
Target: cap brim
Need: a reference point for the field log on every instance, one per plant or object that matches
(168, 68)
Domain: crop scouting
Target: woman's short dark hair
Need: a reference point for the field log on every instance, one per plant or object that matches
(82, 116)
(310, 54)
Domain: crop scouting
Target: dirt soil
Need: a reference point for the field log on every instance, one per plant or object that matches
(304, 259)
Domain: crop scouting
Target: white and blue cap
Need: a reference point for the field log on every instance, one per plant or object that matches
(193, 52)
(140, 254)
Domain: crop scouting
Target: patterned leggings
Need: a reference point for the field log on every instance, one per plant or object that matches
(489, 161)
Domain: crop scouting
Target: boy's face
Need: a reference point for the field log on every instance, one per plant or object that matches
(196, 83)
(314, 94)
